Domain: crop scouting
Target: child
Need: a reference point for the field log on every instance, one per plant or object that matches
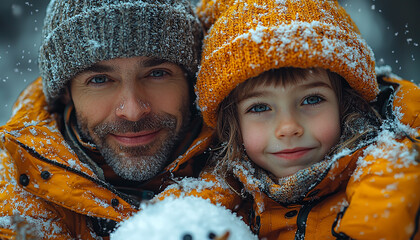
(312, 145)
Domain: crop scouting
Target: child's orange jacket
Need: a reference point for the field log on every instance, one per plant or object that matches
(372, 193)
(43, 183)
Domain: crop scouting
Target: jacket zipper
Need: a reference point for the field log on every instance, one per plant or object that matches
(301, 220)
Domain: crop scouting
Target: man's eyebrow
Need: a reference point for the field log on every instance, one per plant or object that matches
(98, 68)
(151, 62)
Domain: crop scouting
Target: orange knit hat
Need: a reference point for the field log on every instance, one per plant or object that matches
(249, 37)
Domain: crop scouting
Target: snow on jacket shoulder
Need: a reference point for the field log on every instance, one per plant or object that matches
(44, 184)
(208, 186)
(383, 192)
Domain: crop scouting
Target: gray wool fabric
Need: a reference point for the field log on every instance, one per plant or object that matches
(79, 33)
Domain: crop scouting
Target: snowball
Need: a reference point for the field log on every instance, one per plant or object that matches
(176, 218)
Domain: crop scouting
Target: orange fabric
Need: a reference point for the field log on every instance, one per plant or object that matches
(372, 193)
(406, 101)
(57, 206)
(218, 194)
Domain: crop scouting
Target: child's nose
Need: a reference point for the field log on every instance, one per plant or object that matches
(288, 126)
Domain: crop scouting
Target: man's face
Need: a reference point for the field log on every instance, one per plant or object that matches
(134, 110)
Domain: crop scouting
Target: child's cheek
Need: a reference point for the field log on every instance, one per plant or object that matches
(255, 139)
(328, 132)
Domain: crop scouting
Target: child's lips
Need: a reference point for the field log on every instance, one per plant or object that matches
(293, 154)
(136, 138)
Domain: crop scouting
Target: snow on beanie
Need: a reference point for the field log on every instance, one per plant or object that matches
(79, 33)
(248, 37)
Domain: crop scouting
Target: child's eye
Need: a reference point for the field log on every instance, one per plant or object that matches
(99, 79)
(311, 100)
(259, 108)
(158, 73)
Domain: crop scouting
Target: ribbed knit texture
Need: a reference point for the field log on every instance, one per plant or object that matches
(79, 33)
(248, 37)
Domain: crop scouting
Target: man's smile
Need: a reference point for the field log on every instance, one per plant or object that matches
(133, 139)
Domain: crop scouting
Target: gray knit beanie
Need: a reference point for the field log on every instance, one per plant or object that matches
(79, 33)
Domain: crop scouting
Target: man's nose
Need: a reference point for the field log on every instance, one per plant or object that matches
(288, 126)
(132, 106)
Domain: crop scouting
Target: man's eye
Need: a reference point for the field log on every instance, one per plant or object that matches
(98, 79)
(259, 108)
(311, 100)
(158, 73)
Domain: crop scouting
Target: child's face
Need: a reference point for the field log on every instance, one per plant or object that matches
(286, 129)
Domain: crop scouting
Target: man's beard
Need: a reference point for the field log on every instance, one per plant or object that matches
(137, 163)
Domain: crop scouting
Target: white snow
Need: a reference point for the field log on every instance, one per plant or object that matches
(189, 183)
(388, 147)
(175, 218)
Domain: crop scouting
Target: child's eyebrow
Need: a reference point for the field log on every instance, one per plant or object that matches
(253, 94)
(261, 93)
(315, 85)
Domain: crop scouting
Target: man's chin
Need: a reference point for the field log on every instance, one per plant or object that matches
(137, 168)
(137, 163)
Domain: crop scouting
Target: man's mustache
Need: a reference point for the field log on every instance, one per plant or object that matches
(149, 122)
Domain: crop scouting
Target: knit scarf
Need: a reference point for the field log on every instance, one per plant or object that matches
(285, 190)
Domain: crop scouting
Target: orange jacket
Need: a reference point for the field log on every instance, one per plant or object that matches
(371, 193)
(43, 182)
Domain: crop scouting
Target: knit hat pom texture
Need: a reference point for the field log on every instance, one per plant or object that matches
(248, 37)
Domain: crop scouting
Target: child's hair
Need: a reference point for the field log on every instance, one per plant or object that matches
(359, 121)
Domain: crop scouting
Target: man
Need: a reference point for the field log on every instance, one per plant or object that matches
(108, 124)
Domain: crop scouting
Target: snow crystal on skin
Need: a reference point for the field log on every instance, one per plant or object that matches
(173, 218)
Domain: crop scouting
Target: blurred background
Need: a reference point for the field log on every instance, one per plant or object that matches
(391, 28)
